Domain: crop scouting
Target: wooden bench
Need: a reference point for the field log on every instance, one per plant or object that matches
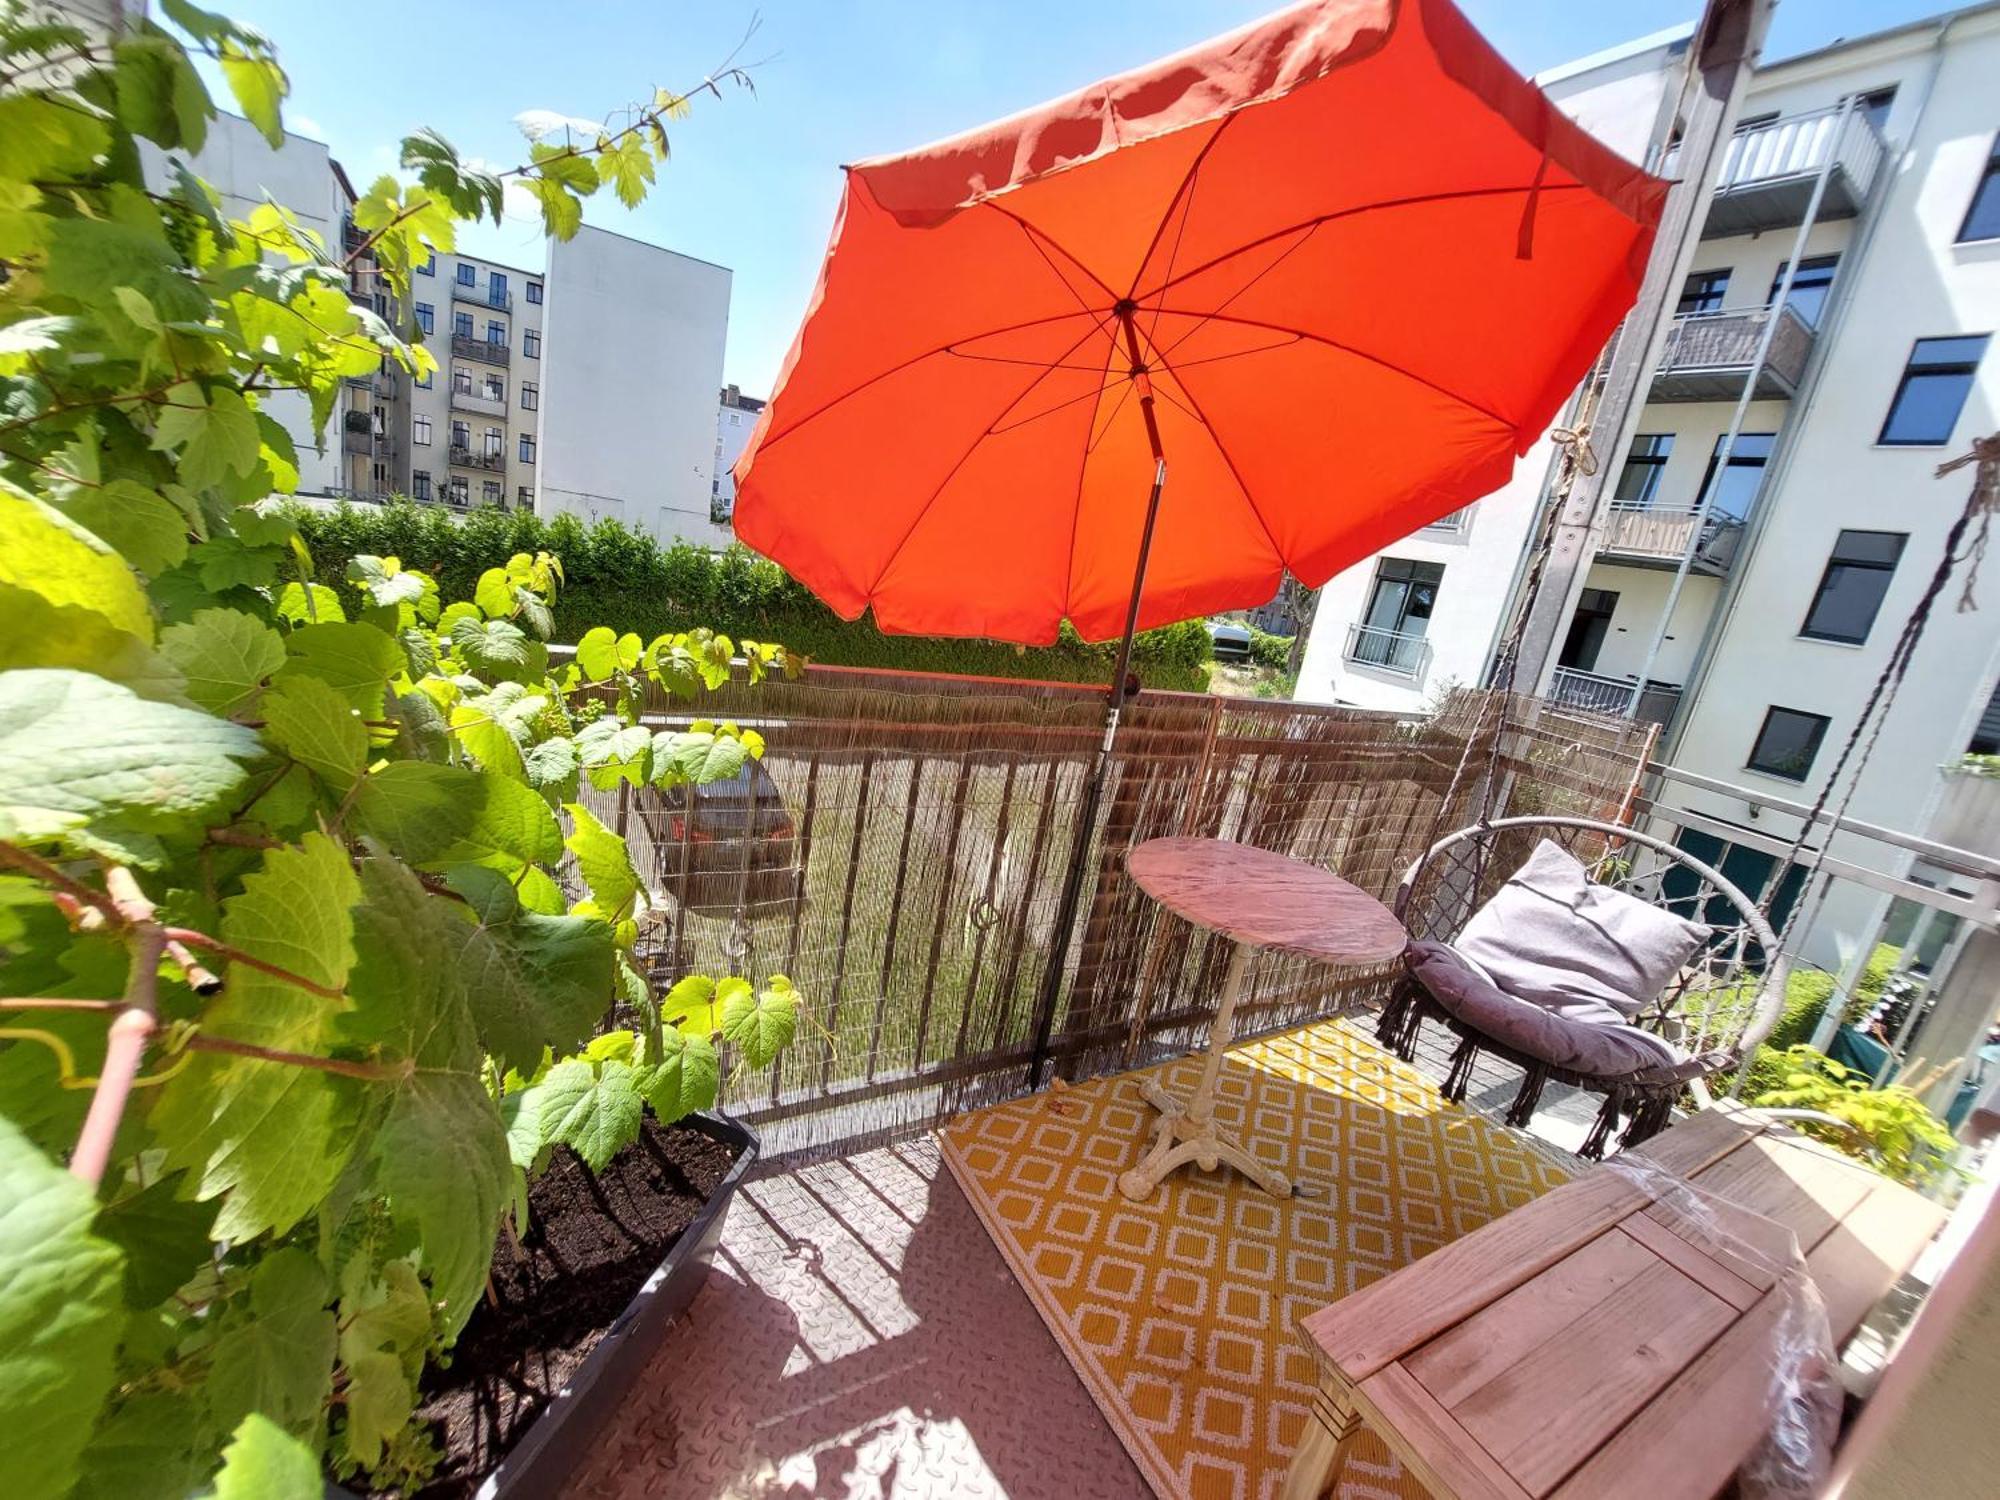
(1595, 1342)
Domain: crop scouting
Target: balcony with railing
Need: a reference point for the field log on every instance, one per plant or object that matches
(1455, 524)
(1768, 168)
(466, 458)
(1401, 652)
(493, 351)
(1598, 694)
(479, 402)
(1709, 355)
(1661, 535)
(482, 296)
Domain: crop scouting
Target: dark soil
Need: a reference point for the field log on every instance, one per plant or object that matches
(591, 1244)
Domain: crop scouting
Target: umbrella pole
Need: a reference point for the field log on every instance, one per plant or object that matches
(1093, 793)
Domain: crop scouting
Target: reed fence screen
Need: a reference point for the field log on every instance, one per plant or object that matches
(931, 820)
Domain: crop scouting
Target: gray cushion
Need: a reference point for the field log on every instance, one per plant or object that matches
(1574, 948)
(1607, 1049)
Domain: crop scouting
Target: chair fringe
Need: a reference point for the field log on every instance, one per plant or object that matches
(1529, 1099)
(1459, 1079)
(1607, 1122)
(1401, 1020)
(1651, 1114)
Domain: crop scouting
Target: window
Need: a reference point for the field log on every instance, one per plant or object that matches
(736, 419)
(456, 491)
(496, 288)
(1932, 391)
(420, 431)
(461, 380)
(1787, 743)
(1735, 491)
(1639, 480)
(531, 344)
(1703, 291)
(496, 331)
(527, 448)
(1404, 594)
(496, 387)
(534, 291)
(496, 442)
(468, 274)
(1986, 734)
(461, 325)
(430, 265)
(461, 434)
(1809, 287)
(1850, 591)
(426, 317)
(1875, 107)
(1982, 218)
(489, 492)
(531, 396)
(1587, 629)
(420, 484)
(424, 381)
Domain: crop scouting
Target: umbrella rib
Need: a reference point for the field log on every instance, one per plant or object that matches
(1221, 448)
(1373, 359)
(1349, 213)
(1005, 359)
(1036, 234)
(916, 359)
(972, 448)
(1216, 311)
(1183, 191)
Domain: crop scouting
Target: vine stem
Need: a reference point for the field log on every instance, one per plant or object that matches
(12, 1004)
(369, 1072)
(238, 956)
(125, 1044)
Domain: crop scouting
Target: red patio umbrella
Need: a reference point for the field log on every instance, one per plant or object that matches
(1336, 270)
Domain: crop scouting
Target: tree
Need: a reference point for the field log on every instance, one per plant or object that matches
(294, 994)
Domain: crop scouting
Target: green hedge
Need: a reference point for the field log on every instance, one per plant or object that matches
(1807, 992)
(1273, 651)
(622, 578)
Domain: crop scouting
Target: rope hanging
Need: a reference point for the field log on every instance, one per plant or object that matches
(1976, 518)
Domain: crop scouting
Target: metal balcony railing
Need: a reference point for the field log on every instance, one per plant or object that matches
(1708, 355)
(482, 296)
(1765, 181)
(1454, 524)
(465, 458)
(1396, 651)
(478, 401)
(491, 350)
(1663, 534)
(1598, 694)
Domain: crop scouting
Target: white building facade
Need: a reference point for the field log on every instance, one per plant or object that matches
(735, 419)
(1748, 603)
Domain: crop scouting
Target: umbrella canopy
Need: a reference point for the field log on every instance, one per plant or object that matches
(1356, 261)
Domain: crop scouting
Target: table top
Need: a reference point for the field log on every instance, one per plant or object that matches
(1267, 900)
(1597, 1342)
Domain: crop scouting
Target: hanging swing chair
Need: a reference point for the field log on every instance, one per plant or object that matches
(1589, 953)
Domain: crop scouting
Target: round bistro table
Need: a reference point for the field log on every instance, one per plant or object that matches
(1257, 900)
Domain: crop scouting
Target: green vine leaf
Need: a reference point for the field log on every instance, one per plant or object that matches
(264, 1462)
(761, 1022)
(61, 1314)
(77, 751)
(606, 864)
(687, 1078)
(278, 1359)
(224, 656)
(269, 1138)
(315, 726)
(593, 1111)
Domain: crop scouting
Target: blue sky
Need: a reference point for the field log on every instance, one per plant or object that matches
(753, 180)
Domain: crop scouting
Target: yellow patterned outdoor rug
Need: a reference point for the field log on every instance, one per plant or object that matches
(1180, 1314)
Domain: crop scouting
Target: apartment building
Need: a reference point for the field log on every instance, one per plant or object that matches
(363, 454)
(735, 418)
(474, 431)
(1774, 517)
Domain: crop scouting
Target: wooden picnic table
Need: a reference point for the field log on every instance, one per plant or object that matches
(1256, 899)
(1598, 1342)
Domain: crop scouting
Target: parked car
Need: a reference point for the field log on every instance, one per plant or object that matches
(1228, 642)
(710, 841)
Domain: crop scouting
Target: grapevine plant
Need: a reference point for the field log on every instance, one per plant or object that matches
(307, 942)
